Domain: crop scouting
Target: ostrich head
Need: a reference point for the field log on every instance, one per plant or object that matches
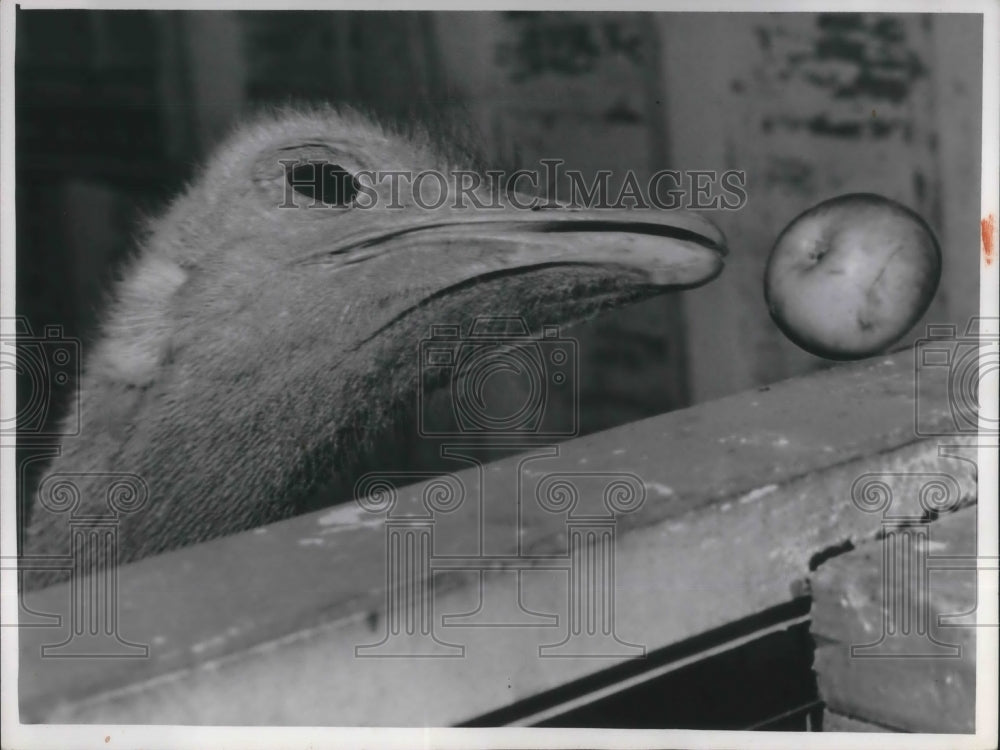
(264, 334)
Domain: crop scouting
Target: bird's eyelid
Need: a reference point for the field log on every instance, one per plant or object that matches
(349, 156)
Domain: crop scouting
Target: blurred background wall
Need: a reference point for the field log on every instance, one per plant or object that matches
(115, 108)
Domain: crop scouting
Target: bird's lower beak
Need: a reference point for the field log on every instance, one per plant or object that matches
(663, 248)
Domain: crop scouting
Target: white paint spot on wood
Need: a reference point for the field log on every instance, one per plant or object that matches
(203, 646)
(347, 517)
(758, 493)
(660, 489)
(344, 515)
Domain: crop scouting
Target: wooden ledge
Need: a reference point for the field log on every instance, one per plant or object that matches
(896, 649)
(740, 495)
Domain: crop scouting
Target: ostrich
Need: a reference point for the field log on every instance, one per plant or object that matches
(261, 337)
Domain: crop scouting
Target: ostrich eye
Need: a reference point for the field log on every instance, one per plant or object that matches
(322, 182)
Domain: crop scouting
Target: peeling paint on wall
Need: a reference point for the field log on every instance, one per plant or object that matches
(856, 73)
(567, 44)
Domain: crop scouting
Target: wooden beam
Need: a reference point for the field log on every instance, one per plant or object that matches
(896, 644)
(741, 495)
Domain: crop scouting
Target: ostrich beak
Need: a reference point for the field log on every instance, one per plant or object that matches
(671, 249)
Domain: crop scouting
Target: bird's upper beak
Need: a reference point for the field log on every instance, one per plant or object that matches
(662, 248)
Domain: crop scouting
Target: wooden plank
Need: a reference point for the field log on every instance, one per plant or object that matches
(834, 722)
(882, 655)
(740, 495)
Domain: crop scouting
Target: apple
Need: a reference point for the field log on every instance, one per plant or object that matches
(851, 275)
